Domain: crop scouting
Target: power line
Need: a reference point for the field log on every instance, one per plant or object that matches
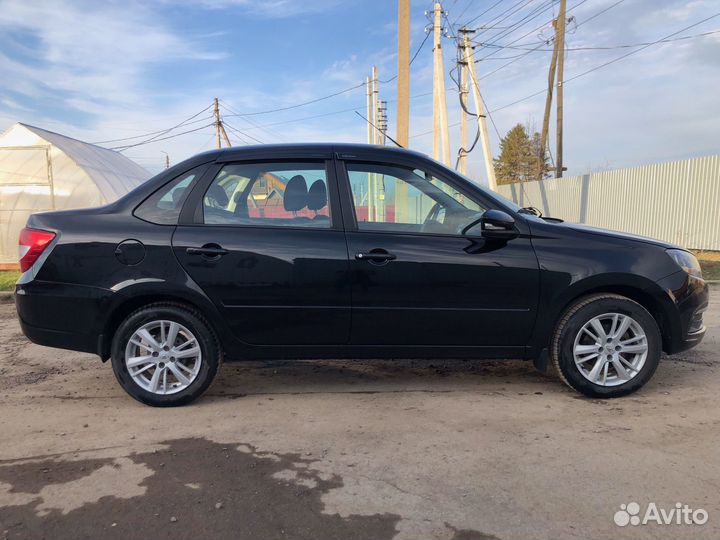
(535, 13)
(303, 104)
(242, 134)
(481, 14)
(565, 81)
(414, 56)
(123, 148)
(161, 132)
(580, 3)
(467, 6)
(249, 121)
(611, 47)
(642, 48)
(497, 17)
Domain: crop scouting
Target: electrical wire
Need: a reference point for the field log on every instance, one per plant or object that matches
(612, 47)
(414, 56)
(534, 14)
(241, 134)
(161, 132)
(617, 59)
(249, 121)
(123, 148)
(155, 137)
(467, 6)
(303, 104)
(481, 14)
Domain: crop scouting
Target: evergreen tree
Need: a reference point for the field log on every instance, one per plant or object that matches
(521, 157)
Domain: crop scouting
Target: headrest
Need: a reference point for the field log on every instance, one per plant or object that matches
(218, 193)
(296, 194)
(317, 195)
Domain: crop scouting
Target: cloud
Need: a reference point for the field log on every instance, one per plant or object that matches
(271, 9)
(95, 50)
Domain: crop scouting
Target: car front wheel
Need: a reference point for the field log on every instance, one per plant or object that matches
(606, 345)
(165, 355)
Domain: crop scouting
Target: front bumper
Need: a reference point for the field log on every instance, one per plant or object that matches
(686, 300)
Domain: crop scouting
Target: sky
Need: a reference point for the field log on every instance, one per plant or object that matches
(102, 71)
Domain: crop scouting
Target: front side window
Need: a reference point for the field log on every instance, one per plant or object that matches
(163, 207)
(269, 194)
(401, 199)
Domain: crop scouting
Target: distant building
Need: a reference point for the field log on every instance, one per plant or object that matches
(41, 170)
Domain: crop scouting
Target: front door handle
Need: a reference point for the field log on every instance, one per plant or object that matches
(208, 250)
(375, 256)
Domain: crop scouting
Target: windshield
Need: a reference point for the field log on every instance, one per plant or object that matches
(503, 201)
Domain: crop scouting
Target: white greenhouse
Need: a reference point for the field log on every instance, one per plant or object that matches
(41, 170)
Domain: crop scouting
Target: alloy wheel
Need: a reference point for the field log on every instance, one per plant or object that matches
(163, 357)
(610, 349)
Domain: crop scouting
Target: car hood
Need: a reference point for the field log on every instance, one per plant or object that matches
(618, 234)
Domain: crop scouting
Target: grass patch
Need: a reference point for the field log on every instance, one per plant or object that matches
(8, 279)
(710, 270)
(710, 264)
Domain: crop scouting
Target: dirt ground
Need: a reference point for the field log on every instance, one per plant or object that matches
(353, 450)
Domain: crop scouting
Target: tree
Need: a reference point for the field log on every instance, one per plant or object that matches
(521, 157)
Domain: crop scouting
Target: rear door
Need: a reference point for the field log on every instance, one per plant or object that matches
(416, 280)
(263, 239)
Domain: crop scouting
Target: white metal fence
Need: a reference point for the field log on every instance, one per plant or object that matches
(677, 201)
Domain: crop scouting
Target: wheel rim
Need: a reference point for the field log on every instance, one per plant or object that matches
(610, 349)
(163, 357)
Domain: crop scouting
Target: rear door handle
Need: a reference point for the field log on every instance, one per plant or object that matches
(210, 250)
(376, 256)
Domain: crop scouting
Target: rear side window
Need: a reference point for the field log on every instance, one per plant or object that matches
(163, 207)
(269, 194)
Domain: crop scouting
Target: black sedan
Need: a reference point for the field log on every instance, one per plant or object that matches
(346, 251)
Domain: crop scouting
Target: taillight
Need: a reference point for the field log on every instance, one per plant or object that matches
(32, 243)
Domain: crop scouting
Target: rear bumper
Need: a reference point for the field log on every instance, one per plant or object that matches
(61, 339)
(65, 316)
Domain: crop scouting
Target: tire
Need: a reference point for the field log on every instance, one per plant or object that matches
(577, 337)
(179, 380)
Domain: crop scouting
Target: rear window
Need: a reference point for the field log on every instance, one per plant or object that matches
(163, 207)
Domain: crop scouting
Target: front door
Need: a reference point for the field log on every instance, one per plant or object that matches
(416, 279)
(266, 245)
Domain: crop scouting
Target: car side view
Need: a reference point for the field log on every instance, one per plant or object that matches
(346, 251)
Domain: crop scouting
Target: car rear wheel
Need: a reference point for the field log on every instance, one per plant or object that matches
(606, 345)
(165, 355)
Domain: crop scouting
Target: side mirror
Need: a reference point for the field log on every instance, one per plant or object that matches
(495, 224)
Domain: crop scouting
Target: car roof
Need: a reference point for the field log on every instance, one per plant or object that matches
(269, 150)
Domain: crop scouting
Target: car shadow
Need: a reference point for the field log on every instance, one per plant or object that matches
(240, 379)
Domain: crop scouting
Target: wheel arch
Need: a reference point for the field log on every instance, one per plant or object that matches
(130, 303)
(642, 290)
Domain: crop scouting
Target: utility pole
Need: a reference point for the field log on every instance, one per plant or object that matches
(462, 74)
(167, 160)
(479, 110)
(369, 110)
(375, 139)
(441, 139)
(548, 97)
(377, 136)
(403, 79)
(382, 121)
(219, 128)
(216, 107)
(560, 39)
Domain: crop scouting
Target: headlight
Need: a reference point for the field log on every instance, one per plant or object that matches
(686, 261)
